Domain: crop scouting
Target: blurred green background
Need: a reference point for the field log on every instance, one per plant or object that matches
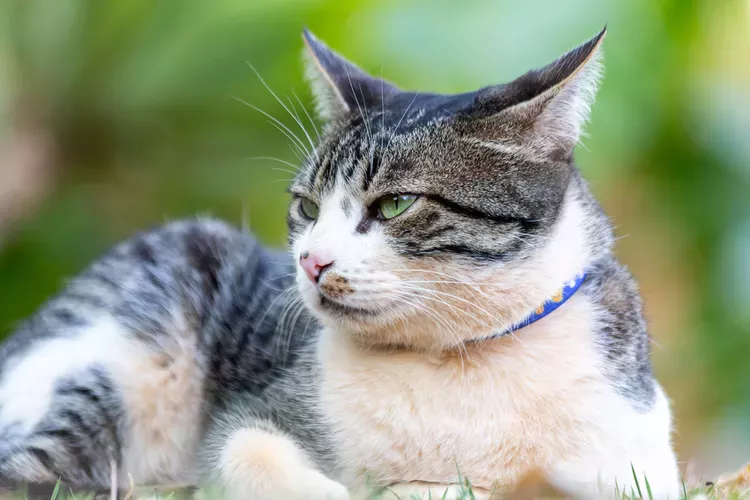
(118, 115)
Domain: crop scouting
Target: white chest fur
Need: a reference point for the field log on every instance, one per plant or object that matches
(505, 409)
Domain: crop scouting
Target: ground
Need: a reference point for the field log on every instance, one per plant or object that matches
(733, 486)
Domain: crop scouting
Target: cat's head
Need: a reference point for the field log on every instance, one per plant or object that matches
(424, 219)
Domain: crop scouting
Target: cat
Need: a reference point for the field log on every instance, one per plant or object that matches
(452, 303)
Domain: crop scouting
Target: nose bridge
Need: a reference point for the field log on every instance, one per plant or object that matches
(332, 224)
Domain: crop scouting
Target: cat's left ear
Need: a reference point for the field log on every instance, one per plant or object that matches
(339, 86)
(545, 109)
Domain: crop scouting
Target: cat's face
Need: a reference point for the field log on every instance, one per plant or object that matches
(427, 220)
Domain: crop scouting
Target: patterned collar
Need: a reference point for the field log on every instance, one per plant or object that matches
(556, 300)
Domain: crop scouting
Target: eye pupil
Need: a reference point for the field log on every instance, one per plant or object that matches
(308, 208)
(394, 205)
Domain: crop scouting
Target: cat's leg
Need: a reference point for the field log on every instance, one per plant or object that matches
(72, 406)
(76, 438)
(639, 442)
(258, 462)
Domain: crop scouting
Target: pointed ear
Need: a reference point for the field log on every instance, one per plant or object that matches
(546, 108)
(339, 86)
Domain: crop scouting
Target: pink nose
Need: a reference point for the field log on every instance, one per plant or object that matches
(314, 264)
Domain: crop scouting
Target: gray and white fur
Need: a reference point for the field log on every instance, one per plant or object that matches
(190, 353)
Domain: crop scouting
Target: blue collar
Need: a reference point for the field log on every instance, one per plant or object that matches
(556, 300)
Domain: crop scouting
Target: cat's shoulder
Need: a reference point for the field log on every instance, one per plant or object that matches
(621, 330)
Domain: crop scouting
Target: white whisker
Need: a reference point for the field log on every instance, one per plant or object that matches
(276, 121)
(356, 100)
(393, 134)
(294, 115)
(312, 122)
(271, 158)
(441, 320)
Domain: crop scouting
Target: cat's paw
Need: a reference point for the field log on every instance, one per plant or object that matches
(259, 465)
(316, 486)
(302, 484)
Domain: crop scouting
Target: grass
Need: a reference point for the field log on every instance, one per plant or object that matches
(731, 487)
(700, 493)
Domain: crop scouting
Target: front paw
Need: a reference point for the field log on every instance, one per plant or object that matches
(258, 465)
(302, 484)
(319, 487)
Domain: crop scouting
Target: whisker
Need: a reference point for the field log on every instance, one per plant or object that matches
(351, 86)
(294, 117)
(435, 292)
(312, 122)
(382, 106)
(393, 134)
(446, 275)
(289, 289)
(367, 116)
(471, 304)
(304, 129)
(298, 151)
(271, 158)
(441, 320)
(274, 120)
(300, 310)
(277, 169)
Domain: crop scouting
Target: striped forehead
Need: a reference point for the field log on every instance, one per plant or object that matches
(354, 154)
(349, 156)
(342, 162)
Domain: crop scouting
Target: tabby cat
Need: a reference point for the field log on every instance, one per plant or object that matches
(452, 302)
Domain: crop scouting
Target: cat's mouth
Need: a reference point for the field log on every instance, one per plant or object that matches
(333, 306)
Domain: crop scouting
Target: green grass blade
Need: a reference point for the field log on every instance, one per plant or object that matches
(684, 488)
(648, 488)
(56, 491)
(637, 484)
(469, 490)
(394, 494)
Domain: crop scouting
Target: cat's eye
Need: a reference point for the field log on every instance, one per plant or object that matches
(308, 208)
(394, 205)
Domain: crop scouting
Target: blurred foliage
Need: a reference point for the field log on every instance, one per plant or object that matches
(132, 103)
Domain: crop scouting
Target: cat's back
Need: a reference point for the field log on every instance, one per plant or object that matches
(134, 280)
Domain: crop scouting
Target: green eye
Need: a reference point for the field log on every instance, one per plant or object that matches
(308, 208)
(392, 206)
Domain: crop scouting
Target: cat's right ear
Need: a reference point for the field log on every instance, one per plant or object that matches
(340, 87)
